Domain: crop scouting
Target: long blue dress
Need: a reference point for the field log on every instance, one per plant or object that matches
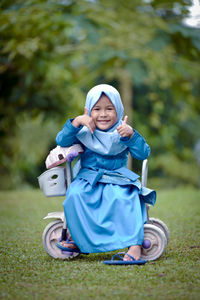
(105, 203)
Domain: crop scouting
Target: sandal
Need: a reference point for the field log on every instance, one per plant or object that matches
(120, 260)
(60, 246)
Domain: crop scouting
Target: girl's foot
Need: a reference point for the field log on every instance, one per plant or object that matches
(70, 245)
(134, 251)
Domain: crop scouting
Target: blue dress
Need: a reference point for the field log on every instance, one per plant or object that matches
(105, 203)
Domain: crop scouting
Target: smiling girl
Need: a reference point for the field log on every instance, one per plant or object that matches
(105, 203)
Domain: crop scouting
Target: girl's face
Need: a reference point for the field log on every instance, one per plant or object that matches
(103, 113)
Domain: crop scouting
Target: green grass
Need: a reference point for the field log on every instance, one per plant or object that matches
(27, 272)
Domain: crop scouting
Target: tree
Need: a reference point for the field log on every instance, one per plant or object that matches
(66, 47)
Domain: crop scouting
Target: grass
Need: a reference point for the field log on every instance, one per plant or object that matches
(27, 272)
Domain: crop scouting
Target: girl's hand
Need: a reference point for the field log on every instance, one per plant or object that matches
(85, 120)
(125, 130)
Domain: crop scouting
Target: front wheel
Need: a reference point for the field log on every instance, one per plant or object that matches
(51, 236)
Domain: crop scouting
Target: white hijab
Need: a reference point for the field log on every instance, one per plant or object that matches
(103, 142)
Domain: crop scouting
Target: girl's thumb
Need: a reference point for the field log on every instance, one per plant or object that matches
(125, 119)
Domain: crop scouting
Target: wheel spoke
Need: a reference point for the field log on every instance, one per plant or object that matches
(154, 240)
(55, 235)
(145, 251)
(155, 243)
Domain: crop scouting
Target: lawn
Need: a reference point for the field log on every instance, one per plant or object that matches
(27, 272)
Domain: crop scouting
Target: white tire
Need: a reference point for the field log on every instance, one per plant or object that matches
(161, 225)
(51, 236)
(154, 244)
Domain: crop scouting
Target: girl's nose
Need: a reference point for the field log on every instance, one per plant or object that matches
(103, 113)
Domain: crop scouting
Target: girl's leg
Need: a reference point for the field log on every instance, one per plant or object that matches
(70, 245)
(134, 251)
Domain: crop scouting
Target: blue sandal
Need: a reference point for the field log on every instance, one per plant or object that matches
(120, 260)
(77, 250)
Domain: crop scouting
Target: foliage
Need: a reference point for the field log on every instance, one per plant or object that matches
(32, 274)
(52, 52)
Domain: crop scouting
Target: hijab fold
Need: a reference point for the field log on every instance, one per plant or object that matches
(103, 142)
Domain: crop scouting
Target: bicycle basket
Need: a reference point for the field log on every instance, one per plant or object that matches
(53, 182)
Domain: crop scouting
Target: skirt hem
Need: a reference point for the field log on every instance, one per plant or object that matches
(111, 248)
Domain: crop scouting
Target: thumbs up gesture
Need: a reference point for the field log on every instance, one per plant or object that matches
(124, 129)
(85, 120)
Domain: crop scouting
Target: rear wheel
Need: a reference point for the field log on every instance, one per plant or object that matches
(154, 244)
(161, 225)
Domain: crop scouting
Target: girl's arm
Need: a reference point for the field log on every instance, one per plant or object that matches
(67, 136)
(137, 145)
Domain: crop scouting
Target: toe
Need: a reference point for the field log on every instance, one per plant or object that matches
(126, 258)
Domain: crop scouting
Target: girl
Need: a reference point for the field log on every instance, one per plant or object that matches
(105, 204)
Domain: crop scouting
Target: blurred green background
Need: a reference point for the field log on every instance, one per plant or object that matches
(52, 52)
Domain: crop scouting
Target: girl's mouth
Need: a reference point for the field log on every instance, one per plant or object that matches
(103, 121)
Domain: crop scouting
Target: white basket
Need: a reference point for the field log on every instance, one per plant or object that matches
(53, 182)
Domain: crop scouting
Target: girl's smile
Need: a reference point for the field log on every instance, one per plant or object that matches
(103, 113)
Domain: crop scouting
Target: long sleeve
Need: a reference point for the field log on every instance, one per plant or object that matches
(67, 136)
(137, 145)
